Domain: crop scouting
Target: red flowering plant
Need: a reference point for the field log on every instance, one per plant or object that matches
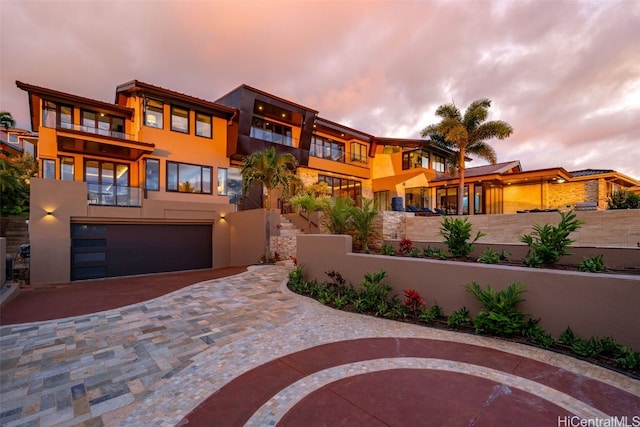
(405, 246)
(413, 300)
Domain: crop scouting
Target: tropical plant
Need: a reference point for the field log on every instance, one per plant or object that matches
(467, 135)
(429, 315)
(499, 314)
(6, 120)
(15, 175)
(374, 292)
(489, 256)
(388, 250)
(270, 169)
(436, 253)
(592, 264)
(547, 244)
(413, 301)
(456, 233)
(310, 202)
(362, 221)
(459, 318)
(415, 253)
(623, 199)
(405, 246)
(337, 215)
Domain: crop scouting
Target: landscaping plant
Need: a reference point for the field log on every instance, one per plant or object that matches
(456, 233)
(388, 250)
(413, 301)
(337, 215)
(405, 246)
(499, 314)
(489, 256)
(436, 253)
(547, 244)
(623, 199)
(362, 223)
(429, 315)
(459, 318)
(374, 292)
(592, 264)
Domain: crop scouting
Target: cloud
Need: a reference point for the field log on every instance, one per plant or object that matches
(565, 74)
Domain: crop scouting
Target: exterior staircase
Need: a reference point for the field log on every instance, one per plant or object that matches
(16, 230)
(287, 228)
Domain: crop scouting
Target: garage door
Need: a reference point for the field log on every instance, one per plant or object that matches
(111, 250)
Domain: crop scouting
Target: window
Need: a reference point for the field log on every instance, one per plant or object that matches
(203, 125)
(108, 183)
(326, 148)
(447, 199)
(437, 163)
(415, 159)
(223, 188)
(271, 132)
(48, 169)
(478, 207)
(154, 113)
(417, 196)
(54, 115)
(66, 168)
(13, 138)
(342, 187)
(179, 119)
(382, 200)
(358, 152)
(152, 167)
(102, 124)
(187, 178)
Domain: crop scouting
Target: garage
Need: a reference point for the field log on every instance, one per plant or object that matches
(111, 250)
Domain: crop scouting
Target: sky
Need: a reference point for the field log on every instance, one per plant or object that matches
(564, 73)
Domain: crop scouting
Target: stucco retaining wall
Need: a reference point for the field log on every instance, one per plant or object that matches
(591, 304)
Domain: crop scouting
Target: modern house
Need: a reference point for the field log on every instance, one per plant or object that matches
(151, 182)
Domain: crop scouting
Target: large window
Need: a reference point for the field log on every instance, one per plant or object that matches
(269, 131)
(48, 169)
(437, 163)
(203, 125)
(447, 199)
(154, 113)
(358, 152)
(54, 115)
(382, 200)
(102, 124)
(66, 168)
(326, 148)
(187, 178)
(152, 167)
(417, 196)
(342, 187)
(179, 119)
(478, 203)
(415, 159)
(108, 183)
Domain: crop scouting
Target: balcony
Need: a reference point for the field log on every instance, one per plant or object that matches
(94, 131)
(270, 136)
(114, 195)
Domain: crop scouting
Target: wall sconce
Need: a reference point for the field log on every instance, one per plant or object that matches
(49, 213)
(221, 217)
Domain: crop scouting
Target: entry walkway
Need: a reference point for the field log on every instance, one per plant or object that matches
(243, 350)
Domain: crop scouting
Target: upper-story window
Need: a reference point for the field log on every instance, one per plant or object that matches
(269, 131)
(54, 115)
(437, 163)
(102, 124)
(152, 181)
(203, 125)
(326, 148)
(154, 113)
(358, 152)
(13, 138)
(415, 159)
(187, 178)
(179, 119)
(66, 169)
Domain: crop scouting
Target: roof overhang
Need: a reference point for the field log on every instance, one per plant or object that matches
(75, 142)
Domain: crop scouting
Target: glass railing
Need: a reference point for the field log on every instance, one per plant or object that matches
(114, 195)
(95, 131)
(276, 138)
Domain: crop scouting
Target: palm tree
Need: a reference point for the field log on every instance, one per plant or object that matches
(362, 222)
(269, 169)
(467, 135)
(310, 202)
(6, 120)
(337, 216)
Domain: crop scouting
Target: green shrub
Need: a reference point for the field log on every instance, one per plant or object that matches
(388, 250)
(436, 253)
(415, 253)
(489, 256)
(547, 244)
(630, 361)
(592, 264)
(537, 334)
(374, 293)
(623, 199)
(568, 337)
(296, 279)
(499, 314)
(456, 233)
(459, 318)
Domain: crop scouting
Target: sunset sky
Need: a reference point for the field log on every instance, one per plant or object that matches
(564, 73)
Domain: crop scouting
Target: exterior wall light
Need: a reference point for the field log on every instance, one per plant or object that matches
(49, 213)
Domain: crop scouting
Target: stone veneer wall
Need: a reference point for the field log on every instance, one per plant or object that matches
(284, 246)
(569, 193)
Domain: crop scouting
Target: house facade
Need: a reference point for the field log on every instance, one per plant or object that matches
(151, 182)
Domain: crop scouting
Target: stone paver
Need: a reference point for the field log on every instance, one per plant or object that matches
(152, 363)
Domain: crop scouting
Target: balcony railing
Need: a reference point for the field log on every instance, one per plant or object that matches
(95, 131)
(114, 195)
(270, 136)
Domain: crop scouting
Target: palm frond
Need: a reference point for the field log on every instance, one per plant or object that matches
(484, 151)
(449, 111)
(493, 129)
(476, 113)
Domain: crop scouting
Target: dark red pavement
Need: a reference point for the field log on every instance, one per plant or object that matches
(78, 298)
